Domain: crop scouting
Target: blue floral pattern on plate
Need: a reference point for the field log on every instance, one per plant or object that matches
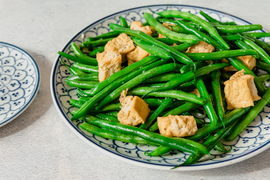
(252, 141)
(19, 81)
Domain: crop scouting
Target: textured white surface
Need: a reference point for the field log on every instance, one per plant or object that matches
(38, 144)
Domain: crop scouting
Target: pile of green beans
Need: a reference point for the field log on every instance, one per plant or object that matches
(165, 84)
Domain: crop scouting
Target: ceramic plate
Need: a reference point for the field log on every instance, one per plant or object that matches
(251, 141)
(19, 81)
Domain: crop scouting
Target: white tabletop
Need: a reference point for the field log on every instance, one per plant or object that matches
(38, 144)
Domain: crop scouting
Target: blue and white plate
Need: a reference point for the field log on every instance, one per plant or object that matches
(251, 141)
(19, 81)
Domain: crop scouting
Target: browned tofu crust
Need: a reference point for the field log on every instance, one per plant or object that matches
(109, 62)
(122, 44)
(136, 55)
(240, 91)
(134, 110)
(201, 47)
(177, 126)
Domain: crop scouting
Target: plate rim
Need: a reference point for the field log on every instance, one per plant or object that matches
(37, 86)
(223, 163)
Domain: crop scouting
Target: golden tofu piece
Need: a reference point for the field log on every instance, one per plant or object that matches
(138, 25)
(201, 47)
(134, 110)
(248, 60)
(196, 92)
(109, 62)
(177, 126)
(122, 44)
(136, 55)
(161, 36)
(240, 91)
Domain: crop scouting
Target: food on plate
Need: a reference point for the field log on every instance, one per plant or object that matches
(177, 126)
(182, 61)
(240, 91)
(134, 110)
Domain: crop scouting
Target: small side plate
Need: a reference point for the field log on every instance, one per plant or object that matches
(19, 81)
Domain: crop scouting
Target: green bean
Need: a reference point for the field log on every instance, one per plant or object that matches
(112, 113)
(232, 37)
(139, 34)
(106, 117)
(81, 84)
(152, 102)
(83, 60)
(96, 43)
(163, 78)
(85, 68)
(96, 51)
(263, 66)
(264, 56)
(210, 143)
(180, 144)
(264, 77)
(75, 103)
(167, 32)
(241, 44)
(221, 148)
(215, 77)
(114, 135)
(258, 34)
(196, 19)
(175, 82)
(136, 81)
(208, 106)
(209, 18)
(159, 151)
(187, 68)
(84, 77)
(123, 22)
(145, 61)
(105, 91)
(239, 66)
(182, 47)
(176, 111)
(167, 41)
(221, 54)
(157, 112)
(180, 95)
(238, 28)
(229, 118)
(73, 70)
(111, 34)
(241, 125)
(152, 49)
(199, 34)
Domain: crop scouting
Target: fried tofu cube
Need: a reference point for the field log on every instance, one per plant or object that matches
(136, 55)
(177, 126)
(240, 91)
(122, 44)
(196, 92)
(248, 60)
(109, 62)
(134, 110)
(138, 25)
(201, 47)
